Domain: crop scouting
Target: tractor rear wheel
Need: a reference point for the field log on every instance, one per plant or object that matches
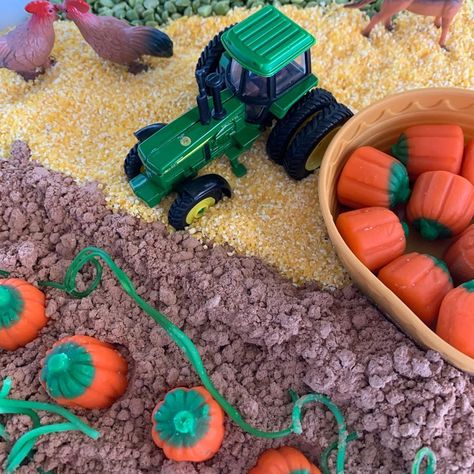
(211, 55)
(195, 197)
(285, 129)
(307, 149)
(132, 164)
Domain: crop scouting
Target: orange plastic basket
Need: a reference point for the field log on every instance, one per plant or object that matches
(379, 126)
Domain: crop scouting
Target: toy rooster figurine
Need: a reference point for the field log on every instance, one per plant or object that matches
(116, 40)
(26, 49)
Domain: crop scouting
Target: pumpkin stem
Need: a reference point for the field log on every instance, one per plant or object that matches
(185, 422)
(400, 149)
(431, 229)
(11, 306)
(59, 363)
(5, 296)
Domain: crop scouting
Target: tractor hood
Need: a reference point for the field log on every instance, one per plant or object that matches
(165, 150)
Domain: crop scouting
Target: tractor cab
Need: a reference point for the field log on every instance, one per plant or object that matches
(266, 57)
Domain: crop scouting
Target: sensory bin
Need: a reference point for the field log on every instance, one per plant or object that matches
(268, 304)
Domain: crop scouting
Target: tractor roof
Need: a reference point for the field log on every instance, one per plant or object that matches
(267, 41)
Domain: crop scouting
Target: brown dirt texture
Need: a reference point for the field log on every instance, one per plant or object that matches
(258, 334)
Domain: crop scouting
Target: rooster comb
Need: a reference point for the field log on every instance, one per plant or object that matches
(80, 5)
(38, 6)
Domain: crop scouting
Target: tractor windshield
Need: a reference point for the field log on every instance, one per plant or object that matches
(290, 74)
(259, 89)
(246, 83)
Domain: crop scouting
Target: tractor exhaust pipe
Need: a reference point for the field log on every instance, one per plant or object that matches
(201, 99)
(215, 82)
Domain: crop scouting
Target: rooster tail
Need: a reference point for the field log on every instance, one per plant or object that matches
(155, 42)
(360, 4)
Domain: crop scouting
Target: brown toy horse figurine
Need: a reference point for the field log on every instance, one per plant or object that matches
(443, 10)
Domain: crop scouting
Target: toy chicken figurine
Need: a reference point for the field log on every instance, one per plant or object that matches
(115, 40)
(26, 49)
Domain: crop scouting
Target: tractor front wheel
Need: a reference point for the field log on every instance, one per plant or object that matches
(306, 151)
(285, 129)
(195, 197)
(132, 164)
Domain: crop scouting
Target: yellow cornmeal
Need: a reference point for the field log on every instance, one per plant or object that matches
(80, 117)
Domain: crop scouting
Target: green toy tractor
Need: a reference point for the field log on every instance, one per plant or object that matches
(248, 76)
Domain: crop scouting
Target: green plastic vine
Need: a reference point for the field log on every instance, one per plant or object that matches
(91, 255)
(424, 453)
(24, 445)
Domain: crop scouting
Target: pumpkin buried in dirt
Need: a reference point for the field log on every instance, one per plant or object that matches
(456, 318)
(81, 371)
(188, 425)
(285, 460)
(22, 313)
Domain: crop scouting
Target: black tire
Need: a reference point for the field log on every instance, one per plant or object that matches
(132, 164)
(321, 127)
(211, 55)
(284, 130)
(192, 193)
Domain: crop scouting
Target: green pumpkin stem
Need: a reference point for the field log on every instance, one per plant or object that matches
(469, 286)
(11, 306)
(68, 371)
(59, 363)
(400, 149)
(431, 229)
(185, 423)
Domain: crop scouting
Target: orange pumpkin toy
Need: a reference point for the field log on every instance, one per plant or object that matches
(22, 313)
(420, 281)
(441, 204)
(188, 425)
(285, 460)
(456, 318)
(374, 234)
(468, 162)
(425, 148)
(460, 256)
(372, 178)
(81, 371)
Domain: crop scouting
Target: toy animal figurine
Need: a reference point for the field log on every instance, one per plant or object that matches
(444, 12)
(26, 49)
(115, 40)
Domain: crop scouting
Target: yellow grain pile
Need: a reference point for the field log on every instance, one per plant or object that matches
(80, 116)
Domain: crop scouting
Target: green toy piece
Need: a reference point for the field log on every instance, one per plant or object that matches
(24, 445)
(257, 71)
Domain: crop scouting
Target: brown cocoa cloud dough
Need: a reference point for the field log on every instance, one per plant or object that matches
(258, 335)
